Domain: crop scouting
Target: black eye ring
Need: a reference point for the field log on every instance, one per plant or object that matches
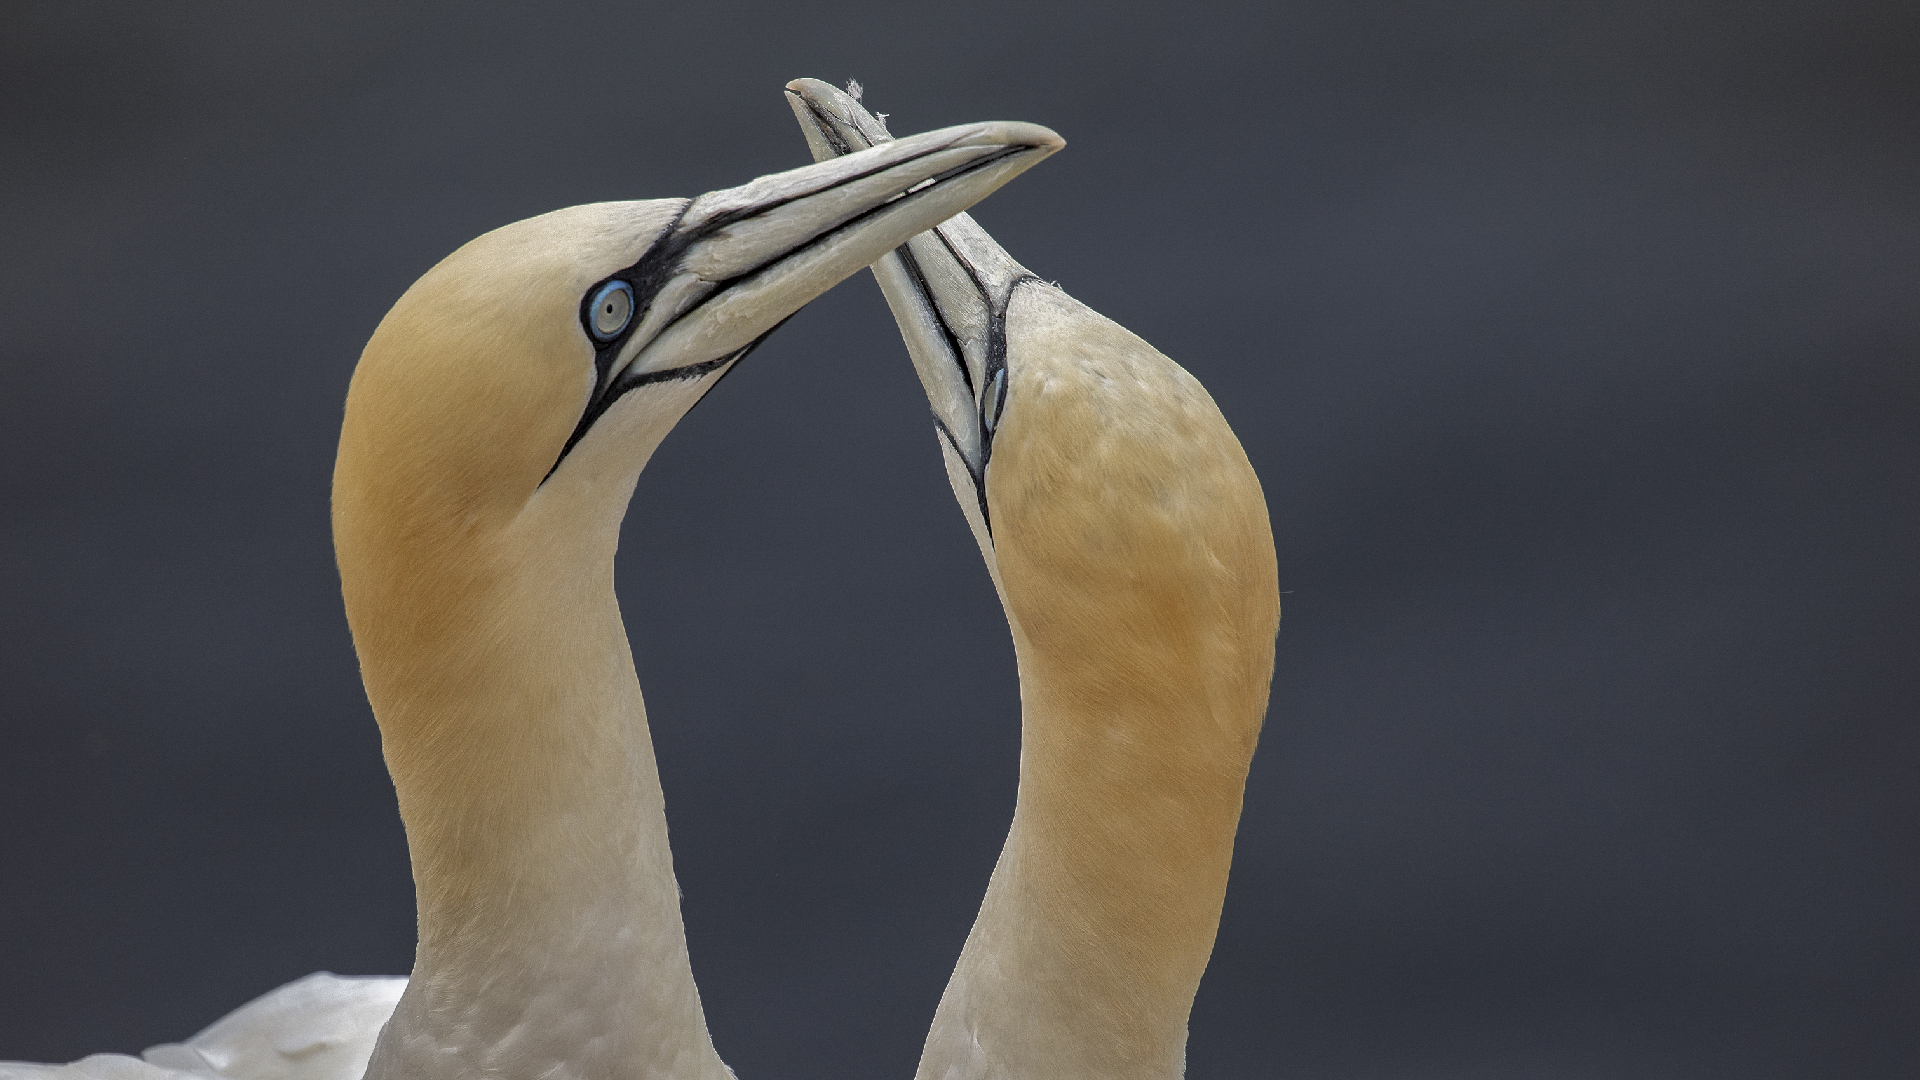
(610, 310)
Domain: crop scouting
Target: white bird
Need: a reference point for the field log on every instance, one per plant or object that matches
(1129, 541)
(495, 428)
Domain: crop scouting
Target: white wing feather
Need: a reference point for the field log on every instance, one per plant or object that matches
(321, 1027)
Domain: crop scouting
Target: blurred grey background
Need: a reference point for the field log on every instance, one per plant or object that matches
(1574, 344)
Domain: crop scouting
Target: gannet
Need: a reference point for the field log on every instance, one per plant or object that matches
(495, 428)
(1128, 538)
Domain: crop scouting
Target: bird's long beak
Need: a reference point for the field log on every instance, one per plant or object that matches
(738, 262)
(948, 288)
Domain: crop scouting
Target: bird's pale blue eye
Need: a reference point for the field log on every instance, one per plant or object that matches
(612, 307)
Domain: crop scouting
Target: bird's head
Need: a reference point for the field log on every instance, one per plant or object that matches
(505, 406)
(1115, 508)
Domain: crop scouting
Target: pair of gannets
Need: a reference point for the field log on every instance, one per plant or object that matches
(495, 429)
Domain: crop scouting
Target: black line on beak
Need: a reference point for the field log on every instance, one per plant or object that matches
(826, 125)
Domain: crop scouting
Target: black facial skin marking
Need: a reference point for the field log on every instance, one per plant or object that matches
(661, 261)
(690, 371)
(994, 377)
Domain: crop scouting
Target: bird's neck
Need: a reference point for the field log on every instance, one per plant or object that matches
(1134, 558)
(550, 936)
(1102, 910)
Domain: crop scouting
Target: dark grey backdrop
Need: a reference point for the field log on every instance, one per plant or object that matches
(1575, 345)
